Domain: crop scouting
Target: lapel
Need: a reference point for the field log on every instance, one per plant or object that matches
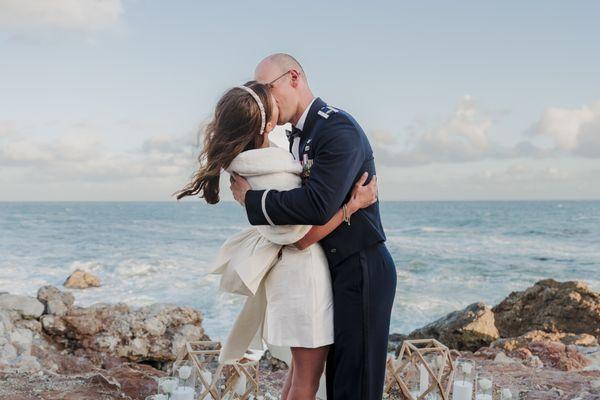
(312, 116)
(309, 124)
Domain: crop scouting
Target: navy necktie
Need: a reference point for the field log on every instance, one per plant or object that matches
(295, 132)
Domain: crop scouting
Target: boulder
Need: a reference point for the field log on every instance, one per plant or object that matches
(25, 306)
(511, 344)
(55, 301)
(151, 333)
(80, 279)
(541, 348)
(467, 329)
(270, 363)
(550, 306)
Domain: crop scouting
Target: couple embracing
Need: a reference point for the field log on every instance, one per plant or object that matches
(318, 277)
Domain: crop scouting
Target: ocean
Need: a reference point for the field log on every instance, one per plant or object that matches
(447, 254)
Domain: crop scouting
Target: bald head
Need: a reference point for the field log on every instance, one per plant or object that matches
(287, 83)
(278, 64)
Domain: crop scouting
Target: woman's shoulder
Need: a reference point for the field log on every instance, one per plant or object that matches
(264, 160)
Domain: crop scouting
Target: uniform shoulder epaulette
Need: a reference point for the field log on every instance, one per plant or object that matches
(326, 111)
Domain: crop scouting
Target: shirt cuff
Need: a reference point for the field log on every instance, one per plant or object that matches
(254, 207)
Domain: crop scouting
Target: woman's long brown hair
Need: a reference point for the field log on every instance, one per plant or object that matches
(234, 128)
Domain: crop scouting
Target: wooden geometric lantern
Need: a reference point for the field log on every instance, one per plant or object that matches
(430, 360)
(217, 381)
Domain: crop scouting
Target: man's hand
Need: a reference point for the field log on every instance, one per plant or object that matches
(239, 186)
(363, 196)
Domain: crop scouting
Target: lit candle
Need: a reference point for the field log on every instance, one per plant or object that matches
(462, 390)
(423, 379)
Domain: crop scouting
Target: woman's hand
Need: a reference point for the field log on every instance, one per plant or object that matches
(363, 196)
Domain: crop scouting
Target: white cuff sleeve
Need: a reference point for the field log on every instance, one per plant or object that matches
(264, 208)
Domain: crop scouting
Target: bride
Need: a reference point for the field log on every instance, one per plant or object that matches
(282, 269)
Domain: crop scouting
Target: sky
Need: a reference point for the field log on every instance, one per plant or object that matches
(103, 100)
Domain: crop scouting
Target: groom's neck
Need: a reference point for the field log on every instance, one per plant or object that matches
(305, 99)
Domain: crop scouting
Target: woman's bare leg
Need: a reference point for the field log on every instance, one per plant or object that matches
(308, 367)
(288, 382)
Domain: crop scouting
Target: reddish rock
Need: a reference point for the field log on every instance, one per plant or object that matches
(550, 306)
(558, 355)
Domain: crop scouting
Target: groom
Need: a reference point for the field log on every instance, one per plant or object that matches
(334, 152)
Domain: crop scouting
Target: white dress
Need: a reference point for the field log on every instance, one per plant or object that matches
(290, 301)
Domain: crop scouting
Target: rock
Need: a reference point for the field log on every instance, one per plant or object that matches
(558, 355)
(510, 344)
(53, 325)
(80, 279)
(26, 307)
(534, 362)
(467, 329)
(30, 324)
(55, 301)
(21, 339)
(547, 348)
(395, 342)
(27, 363)
(8, 353)
(151, 333)
(502, 358)
(550, 306)
(269, 362)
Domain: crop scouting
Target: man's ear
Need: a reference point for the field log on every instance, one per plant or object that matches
(295, 77)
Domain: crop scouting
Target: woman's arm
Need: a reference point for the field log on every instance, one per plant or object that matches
(362, 197)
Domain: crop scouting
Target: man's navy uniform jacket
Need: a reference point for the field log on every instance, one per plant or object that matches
(334, 152)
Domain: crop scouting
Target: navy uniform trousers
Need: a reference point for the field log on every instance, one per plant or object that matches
(363, 293)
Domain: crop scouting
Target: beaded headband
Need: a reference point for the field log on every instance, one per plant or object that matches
(263, 115)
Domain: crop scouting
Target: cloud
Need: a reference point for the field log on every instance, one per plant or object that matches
(523, 173)
(462, 137)
(84, 157)
(72, 15)
(465, 136)
(575, 131)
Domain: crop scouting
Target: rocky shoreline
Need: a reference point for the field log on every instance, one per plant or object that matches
(543, 340)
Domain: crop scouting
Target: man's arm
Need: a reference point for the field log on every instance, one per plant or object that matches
(338, 158)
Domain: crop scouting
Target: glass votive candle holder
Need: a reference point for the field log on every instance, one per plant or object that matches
(186, 373)
(167, 385)
(158, 397)
(485, 386)
(507, 393)
(462, 387)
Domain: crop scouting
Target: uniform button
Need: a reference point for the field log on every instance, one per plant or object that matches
(332, 250)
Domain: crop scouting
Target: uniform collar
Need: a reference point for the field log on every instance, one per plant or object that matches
(300, 123)
(310, 115)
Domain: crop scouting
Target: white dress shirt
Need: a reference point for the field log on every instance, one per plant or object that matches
(300, 125)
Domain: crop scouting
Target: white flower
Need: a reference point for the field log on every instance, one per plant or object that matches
(185, 372)
(485, 384)
(506, 394)
(169, 386)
